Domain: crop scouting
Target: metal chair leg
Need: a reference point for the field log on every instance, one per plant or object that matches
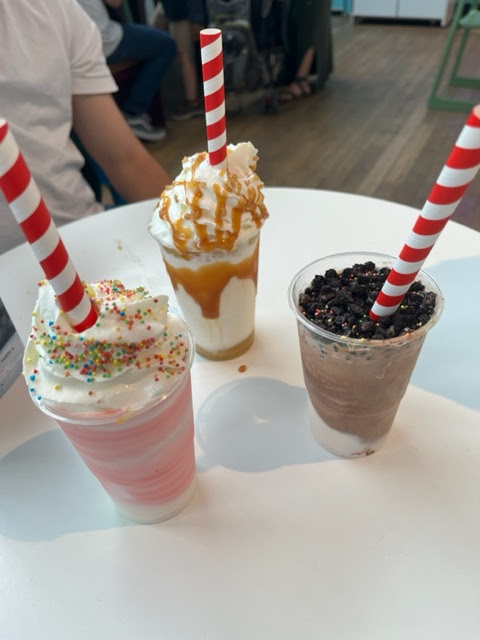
(454, 76)
(435, 101)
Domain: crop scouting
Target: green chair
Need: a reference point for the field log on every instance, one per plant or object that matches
(463, 25)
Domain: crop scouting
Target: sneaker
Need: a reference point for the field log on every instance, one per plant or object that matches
(188, 110)
(142, 127)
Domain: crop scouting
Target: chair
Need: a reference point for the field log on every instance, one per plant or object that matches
(96, 176)
(464, 25)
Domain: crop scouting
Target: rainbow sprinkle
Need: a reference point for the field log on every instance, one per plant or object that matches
(98, 359)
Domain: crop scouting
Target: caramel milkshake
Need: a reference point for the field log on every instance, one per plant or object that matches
(208, 226)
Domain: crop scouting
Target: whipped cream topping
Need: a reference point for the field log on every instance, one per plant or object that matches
(133, 354)
(206, 208)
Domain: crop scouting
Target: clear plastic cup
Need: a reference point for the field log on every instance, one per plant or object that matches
(143, 456)
(216, 291)
(355, 386)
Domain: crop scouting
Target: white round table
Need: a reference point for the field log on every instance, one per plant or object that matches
(281, 540)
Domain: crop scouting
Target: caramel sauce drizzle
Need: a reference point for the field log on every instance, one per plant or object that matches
(206, 284)
(252, 203)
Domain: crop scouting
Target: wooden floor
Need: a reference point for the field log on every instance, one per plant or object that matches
(369, 131)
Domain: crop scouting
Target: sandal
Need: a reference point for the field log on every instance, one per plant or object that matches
(298, 88)
(286, 95)
(304, 85)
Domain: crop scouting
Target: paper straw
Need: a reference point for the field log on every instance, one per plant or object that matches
(214, 92)
(32, 215)
(454, 179)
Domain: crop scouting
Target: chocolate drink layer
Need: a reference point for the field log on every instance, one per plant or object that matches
(358, 391)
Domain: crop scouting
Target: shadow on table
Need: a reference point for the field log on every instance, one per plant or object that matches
(255, 425)
(46, 491)
(448, 363)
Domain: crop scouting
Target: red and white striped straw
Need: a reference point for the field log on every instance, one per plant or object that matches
(32, 215)
(214, 92)
(454, 179)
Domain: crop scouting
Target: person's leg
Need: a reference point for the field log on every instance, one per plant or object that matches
(300, 86)
(299, 50)
(156, 51)
(304, 71)
(182, 33)
(176, 10)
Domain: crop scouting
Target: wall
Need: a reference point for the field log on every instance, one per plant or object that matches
(342, 5)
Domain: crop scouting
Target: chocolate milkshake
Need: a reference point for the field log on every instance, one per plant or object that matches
(356, 371)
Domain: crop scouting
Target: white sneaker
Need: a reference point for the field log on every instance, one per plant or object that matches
(142, 127)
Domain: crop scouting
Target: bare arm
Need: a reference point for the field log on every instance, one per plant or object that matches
(106, 135)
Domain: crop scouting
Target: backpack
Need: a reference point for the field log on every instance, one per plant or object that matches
(243, 64)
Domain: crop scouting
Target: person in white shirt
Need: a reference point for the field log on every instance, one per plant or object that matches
(153, 49)
(53, 76)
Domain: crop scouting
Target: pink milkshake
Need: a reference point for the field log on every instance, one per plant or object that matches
(121, 393)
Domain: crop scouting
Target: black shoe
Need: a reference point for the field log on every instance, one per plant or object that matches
(142, 127)
(188, 110)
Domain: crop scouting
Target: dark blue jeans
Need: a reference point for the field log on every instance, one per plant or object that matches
(156, 51)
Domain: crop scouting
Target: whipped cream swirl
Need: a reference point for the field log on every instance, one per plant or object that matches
(206, 209)
(133, 354)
